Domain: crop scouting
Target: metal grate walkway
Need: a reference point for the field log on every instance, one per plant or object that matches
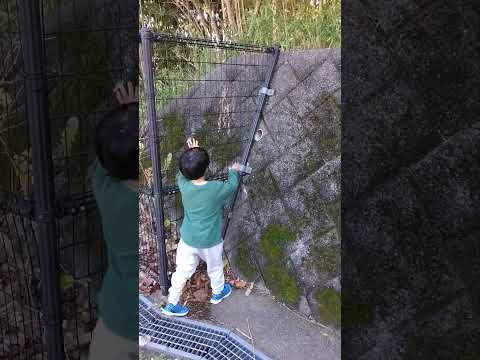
(190, 339)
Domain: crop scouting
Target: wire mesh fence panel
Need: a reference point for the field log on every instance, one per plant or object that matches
(85, 50)
(203, 89)
(20, 300)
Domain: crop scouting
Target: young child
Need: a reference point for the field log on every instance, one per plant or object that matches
(114, 177)
(201, 228)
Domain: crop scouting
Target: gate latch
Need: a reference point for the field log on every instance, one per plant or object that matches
(245, 169)
(266, 91)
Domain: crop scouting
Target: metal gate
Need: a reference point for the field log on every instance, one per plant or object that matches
(213, 91)
(59, 61)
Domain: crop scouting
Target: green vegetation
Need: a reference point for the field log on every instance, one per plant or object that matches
(330, 305)
(273, 240)
(279, 277)
(282, 282)
(303, 26)
(244, 260)
(294, 24)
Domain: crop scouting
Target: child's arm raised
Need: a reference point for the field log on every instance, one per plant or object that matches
(229, 186)
(181, 180)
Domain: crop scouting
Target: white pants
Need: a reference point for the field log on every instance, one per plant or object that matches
(187, 262)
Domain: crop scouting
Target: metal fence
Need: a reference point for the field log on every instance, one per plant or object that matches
(213, 91)
(59, 61)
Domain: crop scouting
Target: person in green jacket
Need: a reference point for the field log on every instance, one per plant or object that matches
(114, 178)
(200, 233)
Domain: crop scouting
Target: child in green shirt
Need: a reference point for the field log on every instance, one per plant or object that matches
(114, 177)
(200, 232)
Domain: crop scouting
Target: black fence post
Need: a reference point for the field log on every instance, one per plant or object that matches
(253, 129)
(153, 141)
(43, 188)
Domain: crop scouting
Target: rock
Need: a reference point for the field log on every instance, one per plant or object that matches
(334, 283)
(303, 306)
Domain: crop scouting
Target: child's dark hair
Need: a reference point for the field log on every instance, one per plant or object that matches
(116, 142)
(193, 163)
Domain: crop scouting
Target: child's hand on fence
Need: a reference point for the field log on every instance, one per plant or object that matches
(236, 166)
(192, 143)
(126, 96)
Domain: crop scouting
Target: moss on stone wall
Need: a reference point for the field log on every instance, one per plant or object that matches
(330, 305)
(282, 282)
(273, 240)
(208, 129)
(326, 134)
(244, 261)
(279, 277)
(227, 145)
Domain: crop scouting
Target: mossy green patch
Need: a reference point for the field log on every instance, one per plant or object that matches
(223, 146)
(274, 238)
(279, 277)
(244, 261)
(330, 305)
(282, 282)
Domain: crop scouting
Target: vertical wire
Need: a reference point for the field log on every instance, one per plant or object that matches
(21, 265)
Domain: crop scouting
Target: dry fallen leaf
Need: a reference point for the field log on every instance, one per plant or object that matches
(200, 295)
(238, 284)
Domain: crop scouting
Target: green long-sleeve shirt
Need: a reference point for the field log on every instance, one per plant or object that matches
(118, 297)
(202, 205)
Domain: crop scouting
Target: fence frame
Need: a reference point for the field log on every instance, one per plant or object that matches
(147, 40)
(42, 165)
(147, 47)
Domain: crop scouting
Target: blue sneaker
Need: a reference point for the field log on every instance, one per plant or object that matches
(175, 310)
(217, 298)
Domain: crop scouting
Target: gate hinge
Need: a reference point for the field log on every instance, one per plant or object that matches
(266, 91)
